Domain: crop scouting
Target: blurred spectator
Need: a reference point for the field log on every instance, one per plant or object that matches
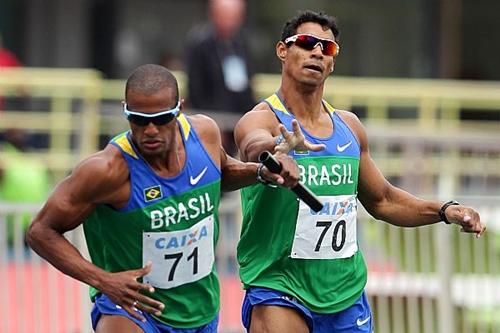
(23, 179)
(7, 59)
(219, 67)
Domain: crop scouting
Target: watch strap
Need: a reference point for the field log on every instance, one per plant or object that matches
(442, 214)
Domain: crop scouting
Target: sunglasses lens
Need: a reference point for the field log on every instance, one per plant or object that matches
(158, 121)
(163, 119)
(329, 48)
(307, 42)
(138, 120)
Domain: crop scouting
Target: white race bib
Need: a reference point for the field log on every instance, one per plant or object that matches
(179, 257)
(328, 234)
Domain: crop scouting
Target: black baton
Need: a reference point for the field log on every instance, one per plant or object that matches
(300, 190)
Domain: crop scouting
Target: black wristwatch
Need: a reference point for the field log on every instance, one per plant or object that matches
(259, 175)
(442, 215)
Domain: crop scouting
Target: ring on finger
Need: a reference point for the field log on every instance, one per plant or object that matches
(135, 303)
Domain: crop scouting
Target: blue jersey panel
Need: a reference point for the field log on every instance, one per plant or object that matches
(148, 187)
(342, 142)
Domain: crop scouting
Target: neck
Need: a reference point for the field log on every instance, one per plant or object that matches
(304, 101)
(170, 161)
(167, 164)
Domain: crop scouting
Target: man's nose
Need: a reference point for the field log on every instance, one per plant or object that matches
(150, 129)
(318, 49)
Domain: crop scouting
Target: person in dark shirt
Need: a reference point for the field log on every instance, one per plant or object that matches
(219, 68)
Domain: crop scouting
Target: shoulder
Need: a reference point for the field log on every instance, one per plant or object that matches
(206, 128)
(262, 107)
(209, 134)
(100, 174)
(354, 124)
(108, 159)
(203, 123)
(261, 116)
(348, 117)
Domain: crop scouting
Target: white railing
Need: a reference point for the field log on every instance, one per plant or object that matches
(434, 279)
(424, 280)
(34, 296)
(408, 287)
(37, 298)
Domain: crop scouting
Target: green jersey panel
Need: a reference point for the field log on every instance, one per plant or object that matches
(115, 243)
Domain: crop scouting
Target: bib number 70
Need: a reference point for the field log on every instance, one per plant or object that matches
(329, 234)
(338, 235)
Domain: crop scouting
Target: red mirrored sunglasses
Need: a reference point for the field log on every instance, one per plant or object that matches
(308, 42)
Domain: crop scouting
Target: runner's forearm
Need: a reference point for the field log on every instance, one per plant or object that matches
(256, 146)
(237, 174)
(400, 208)
(58, 251)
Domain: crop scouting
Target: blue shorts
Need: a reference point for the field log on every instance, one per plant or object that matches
(357, 318)
(104, 306)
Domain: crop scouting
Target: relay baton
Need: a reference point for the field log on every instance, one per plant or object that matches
(300, 190)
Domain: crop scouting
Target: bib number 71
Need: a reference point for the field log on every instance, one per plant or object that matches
(180, 256)
(177, 257)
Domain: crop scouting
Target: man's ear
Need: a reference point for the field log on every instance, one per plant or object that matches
(182, 105)
(281, 50)
(333, 66)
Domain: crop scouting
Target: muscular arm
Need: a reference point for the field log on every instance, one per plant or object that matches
(71, 202)
(394, 205)
(102, 178)
(237, 174)
(256, 131)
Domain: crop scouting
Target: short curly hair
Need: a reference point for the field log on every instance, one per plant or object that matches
(324, 20)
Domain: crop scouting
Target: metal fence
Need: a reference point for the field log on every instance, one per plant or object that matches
(34, 296)
(76, 110)
(37, 298)
(433, 279)
(429, 279)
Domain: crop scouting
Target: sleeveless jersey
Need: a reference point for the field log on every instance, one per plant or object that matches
(171, 222)
(312, 256)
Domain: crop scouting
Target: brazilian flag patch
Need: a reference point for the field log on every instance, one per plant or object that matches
(152, 193)
(301, 152)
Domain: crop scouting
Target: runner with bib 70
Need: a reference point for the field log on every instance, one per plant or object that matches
(303, 270)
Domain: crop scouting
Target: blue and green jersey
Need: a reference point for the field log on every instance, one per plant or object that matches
(312, 256)
(172, 222)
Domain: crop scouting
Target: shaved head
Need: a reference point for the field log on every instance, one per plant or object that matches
(149, 79)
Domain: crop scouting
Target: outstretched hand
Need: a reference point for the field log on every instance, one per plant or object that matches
(124, 290)
(295, 140)
(467, 218)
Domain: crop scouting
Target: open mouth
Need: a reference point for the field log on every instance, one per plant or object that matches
(315, 68)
